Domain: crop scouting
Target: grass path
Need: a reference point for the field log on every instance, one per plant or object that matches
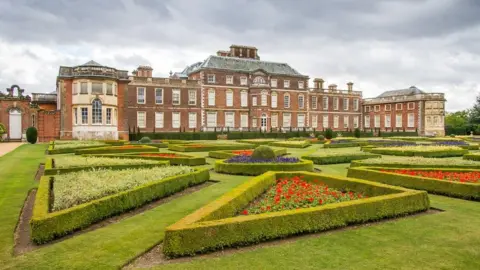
(447, 240)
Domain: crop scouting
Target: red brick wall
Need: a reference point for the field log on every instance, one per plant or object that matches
(48, 123)
(393, 112)
(23, 105)
(122, 91)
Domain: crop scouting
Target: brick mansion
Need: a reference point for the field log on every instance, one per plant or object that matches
(232, 89)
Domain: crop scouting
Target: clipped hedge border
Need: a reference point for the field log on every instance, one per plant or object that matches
(287, 144)
(475, 157)
(339, 158)
(365, 163)
(433, 154)
(46, 225)
(209, 147)
(157, 145)
(343, 145)
(470, 191)
(115, 142)
(52, 151)
(224, 154)
(194, 233)
(180, 160)
(367, 148)
(257, 142)
(258, 168)
(118, 150)
(51, 170)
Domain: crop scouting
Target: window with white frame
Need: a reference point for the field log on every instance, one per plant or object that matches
(259, 80)
(287, 120)
(377, 121)
(346, 102)
(325, 121)
(158, 119)
(314, 102)
(192, 97)
(141, 95)
(411, 105)
(325, 103)
(274, 120)
(158, 96)
(244, 120)
(286, 100)
(301, 101)
(243, 80)
(346, 123)
(108, 113)
(211, 119)
(229, 97)
(398, 106)
(84, 116)
(192, 120)
(388, 107)
(109, 89)
(175, 119)
(376, 108)
(229, 119)
(211, 97)
(314, 121)
(176, 96)
(273, 82)
(411, 120)
(286, 84)
(335, 121)
(83, 88)
(335, 103)
(264, 98)
(211, 78)
(97, 88)
(141, 120)
(254, 101)
(301, 120)
(355, 122)
(388, 120)
(367, 121)
(75, 116)
(355, 104)
(244, 98)
(274, 99)
(254, 122)
(229, 79)
(399, 120)
(301, 84)
(96, 111)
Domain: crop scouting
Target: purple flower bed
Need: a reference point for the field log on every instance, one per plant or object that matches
(452, 143)
(249, 159)
(341, 141)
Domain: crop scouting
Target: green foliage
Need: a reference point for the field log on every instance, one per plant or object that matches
(357, 133)
(224, 154)
(426, 151)
(117, 149)
(344, 145)
(339, 157)
(187, 136)
(187, 237)
(145, 139)
(328, 133)
(208, 147)
(258, 168)
(46, 226)
(263, 152)
(156, 144)
(436, 186)
(257, 141)
(291, 144)
(3, 130)
(32, 135)
(415, 162)
(321, 137)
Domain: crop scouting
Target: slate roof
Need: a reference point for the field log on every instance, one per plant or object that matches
(91, 63)
(402, 92)
(243, 64)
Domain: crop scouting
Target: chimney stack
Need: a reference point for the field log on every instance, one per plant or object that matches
(332, 87)
(318, 83)
(144, 71)
(350, 86)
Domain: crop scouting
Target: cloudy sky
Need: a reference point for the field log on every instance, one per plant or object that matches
(378, 44)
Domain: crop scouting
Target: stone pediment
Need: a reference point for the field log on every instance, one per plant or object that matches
(259, 72)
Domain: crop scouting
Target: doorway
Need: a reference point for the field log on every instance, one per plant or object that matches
(15, 124)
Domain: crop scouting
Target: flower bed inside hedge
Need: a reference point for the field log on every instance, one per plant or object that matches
(69, 202)
(65, 147)
(423, 151)
(245, 165)
(461, 183)
(224, 219)
(415, 162)
(291, 144)
(257, 141)
(173, 158)
(223, 154)
(117, 149)
(205, 147)
(336, 158)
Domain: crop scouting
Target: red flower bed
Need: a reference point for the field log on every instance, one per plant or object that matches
(295, 193)
(243, 152)
(463, 177)
(166, 155)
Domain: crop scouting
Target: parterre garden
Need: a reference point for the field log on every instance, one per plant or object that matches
(143, 204)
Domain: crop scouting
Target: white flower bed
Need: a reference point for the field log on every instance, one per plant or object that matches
(62, 162)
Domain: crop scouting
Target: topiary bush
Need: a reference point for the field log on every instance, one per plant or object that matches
(145, 140)
(32, 135)
(356, 133)
(263, 152)
(321, 137)
(328, 133)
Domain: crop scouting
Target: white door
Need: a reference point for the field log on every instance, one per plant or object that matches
(15, 124)
(263, 122)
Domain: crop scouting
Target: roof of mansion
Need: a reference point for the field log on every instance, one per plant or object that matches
(412, 90)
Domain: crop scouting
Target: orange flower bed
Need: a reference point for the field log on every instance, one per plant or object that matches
(243, 152)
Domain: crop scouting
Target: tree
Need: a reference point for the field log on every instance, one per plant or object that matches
(457, 119)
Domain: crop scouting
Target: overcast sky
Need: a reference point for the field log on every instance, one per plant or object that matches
(377, 44)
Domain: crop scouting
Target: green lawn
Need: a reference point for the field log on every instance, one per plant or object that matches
(447, 240)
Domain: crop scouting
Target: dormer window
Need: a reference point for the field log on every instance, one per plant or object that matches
(300, 85)
(286, 84)
(243, 80)
(259, 80)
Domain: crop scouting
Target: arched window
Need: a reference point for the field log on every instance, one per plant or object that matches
(96, 111)
(259, 80)
(264, 98)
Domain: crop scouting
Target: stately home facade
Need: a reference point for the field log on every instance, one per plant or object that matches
(232, 90)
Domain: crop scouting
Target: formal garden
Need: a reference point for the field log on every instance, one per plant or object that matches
(245, 202)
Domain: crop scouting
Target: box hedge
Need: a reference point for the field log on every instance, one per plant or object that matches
(118, 149)
(344, 145)
(51, 170)
(154, 144)
(224, 154)
(437, 186)
(339, 158)
(258, 168)
(52, 151)
(387, 164)
(257, 142)
(208, 147)
(181, 159)
(46, 226)
(418, 153)
(216, 226)
(291, 144)
(472, 156)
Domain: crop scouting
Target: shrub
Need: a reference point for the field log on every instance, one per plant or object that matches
(3, 130)
(321, 137)
(145, 140)
(422, 151)
(222, 166)
(32, 135)
(357, 133)
(452, 135)
(329, 134)
(263, 152)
